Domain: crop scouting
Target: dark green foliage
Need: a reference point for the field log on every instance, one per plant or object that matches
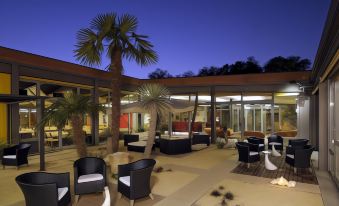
(242, 67)
(229, 196)
(215, 193)
(159, 74)
(186, 74)
(282, 64)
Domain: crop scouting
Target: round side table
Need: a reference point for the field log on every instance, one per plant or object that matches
(268, 164)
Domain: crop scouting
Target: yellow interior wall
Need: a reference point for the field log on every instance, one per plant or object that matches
(5, 88)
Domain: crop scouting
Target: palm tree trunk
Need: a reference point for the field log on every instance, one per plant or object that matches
(78, 135)
(151, 133)
(115, 68)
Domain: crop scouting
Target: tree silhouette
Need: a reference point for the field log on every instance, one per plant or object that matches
(159, 74)
(289, 64)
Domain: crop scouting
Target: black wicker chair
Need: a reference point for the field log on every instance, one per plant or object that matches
(201, 139)
(89, 176)
(299, 157)
(259, 141)
(130, 138)
(41, 189)
(296, 144)
(248, 153)
(278, 142)
(16, 155)
(175, 146)
(134, 179)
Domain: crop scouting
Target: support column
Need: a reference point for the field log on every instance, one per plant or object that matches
(212, 115)
(242, 117)
(14, 108)
(95, 116)
(272, 115)
(41, 133)
(323, 126)
(170, 124)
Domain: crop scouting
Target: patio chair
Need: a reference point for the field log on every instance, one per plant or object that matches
(130, 138)
(248, 153)
(89, 176)
(41, 188)
(278, 142)
(15, 155)
(296, 143)
(259, 141)
(134, 179)
(299, 157)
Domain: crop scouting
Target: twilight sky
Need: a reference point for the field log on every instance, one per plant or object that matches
(187, 34)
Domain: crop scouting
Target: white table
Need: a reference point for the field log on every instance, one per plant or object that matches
(274, 151)
(268, 164)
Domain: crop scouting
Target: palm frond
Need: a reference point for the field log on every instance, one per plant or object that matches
(64, 108)
(89, 47)
(154, 96)
(127, 24)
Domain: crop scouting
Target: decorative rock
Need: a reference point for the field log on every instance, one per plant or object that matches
(283, 182)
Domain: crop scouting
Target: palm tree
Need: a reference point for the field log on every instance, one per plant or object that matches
(154, 98)
(71, 108)
(116, 37)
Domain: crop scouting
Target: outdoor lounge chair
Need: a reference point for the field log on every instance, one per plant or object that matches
(16, 155)
(134, 179)
(278, 142)
(259, 141)
(297, 143)
(248, 153)
(299, 157)
(89, 176)
(130, 138)
(175, 146)
(41, 189)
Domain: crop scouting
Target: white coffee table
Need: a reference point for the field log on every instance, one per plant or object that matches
(274, 151)
(268, 164)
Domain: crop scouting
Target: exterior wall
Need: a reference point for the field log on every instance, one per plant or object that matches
(323, 126)
(5, 88)
(304, 120)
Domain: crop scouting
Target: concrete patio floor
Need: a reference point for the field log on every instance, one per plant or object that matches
(190, 182)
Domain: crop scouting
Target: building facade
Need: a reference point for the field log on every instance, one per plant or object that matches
(325, 95)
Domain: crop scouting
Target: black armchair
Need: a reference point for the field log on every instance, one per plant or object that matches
(258, 141)
(248, 153)
(201, 139)
(297, 142)
(16, 155)
(130, 138)
(299, 157)
(134, 179)
(41, 189)
(89, 176)
(278, 142)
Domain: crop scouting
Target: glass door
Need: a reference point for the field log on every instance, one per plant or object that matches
(257, 117)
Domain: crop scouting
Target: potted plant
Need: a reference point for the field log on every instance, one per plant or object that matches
(220, 142)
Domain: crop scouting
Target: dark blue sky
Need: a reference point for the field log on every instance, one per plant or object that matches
(187, 34)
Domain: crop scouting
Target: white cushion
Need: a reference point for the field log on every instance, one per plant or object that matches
(9, 156)
(90, 178)
(275, 143)
(126, 180)
(197, 147)
(138, 144)
(253, 153)
(62, 192)
(290, 156)
(261, 145)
